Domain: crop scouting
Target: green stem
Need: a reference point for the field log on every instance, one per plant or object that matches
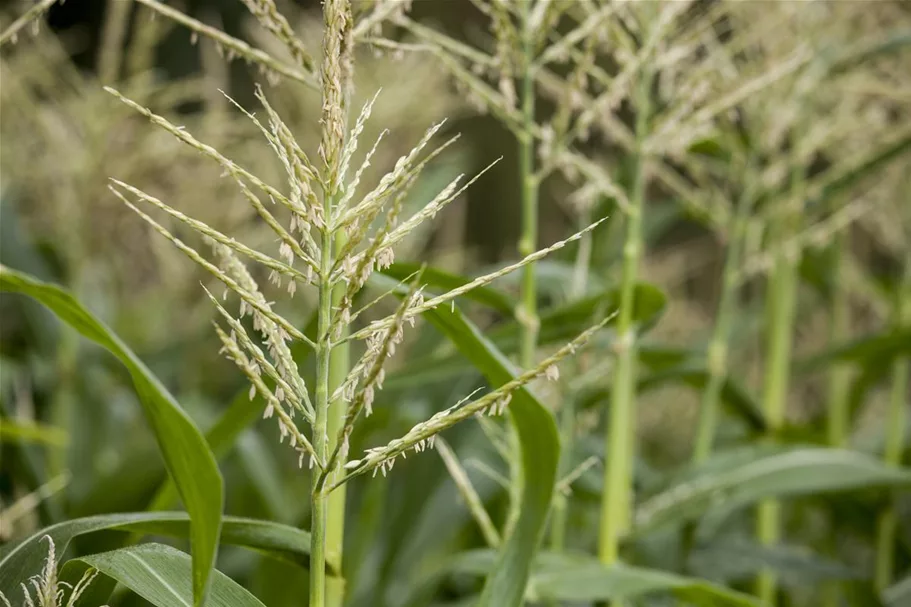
(527, 313)
(560, 515)
(618, 476)
(838, 413)
(895, 439)
(838, 419)
(782, 304)
(721, 334)
(113, 35)
(318, 499)
(888, 520)
(339, 363)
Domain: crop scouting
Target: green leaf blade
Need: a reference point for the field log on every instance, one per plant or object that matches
(163, 576)
(187, 457)
(279, 541)
(589, 580)
(743, 477)
(540, 451)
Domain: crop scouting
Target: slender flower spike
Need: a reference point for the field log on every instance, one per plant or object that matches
(330, 234)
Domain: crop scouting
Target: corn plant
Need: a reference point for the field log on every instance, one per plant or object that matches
(646, 141)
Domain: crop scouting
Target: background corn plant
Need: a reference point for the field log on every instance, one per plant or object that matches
(735, 434)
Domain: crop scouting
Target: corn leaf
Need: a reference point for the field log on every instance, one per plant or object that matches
(282, 542)
(741, 477)
(589, 580)
(187, 457)
(540, 453)
(580, 578)
(737, 559)
(162, 575)
(878, 349)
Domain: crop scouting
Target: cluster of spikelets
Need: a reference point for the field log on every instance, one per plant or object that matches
(320, 208)
(589, 67)
(46, 590)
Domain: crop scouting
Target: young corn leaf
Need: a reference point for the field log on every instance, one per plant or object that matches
(27, 558)
(540, 453)
(187, 457)
(162, 575)
(742, 477)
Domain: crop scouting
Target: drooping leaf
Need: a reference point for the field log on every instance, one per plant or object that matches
(540, 451)
(729, 559)
(187, 457)
(580, 578)
(877, 349)
(589, 580)
(26, 559)
(162, 575)
(745, 476)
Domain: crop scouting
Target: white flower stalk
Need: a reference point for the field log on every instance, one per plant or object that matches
(381, 346)
(422, 435)
(231, 47)
(249, 298)
(287, 426)
(240, 175)
(370, 372)
(331, 238)
(31, 17)
(474, 284)
(276, 265)
(373, 201)
(353, 267)
(46, 590)
(295, 395)
(269, 17)
(355, 237)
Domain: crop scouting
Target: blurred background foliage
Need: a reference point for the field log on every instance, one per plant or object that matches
(89, 451)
